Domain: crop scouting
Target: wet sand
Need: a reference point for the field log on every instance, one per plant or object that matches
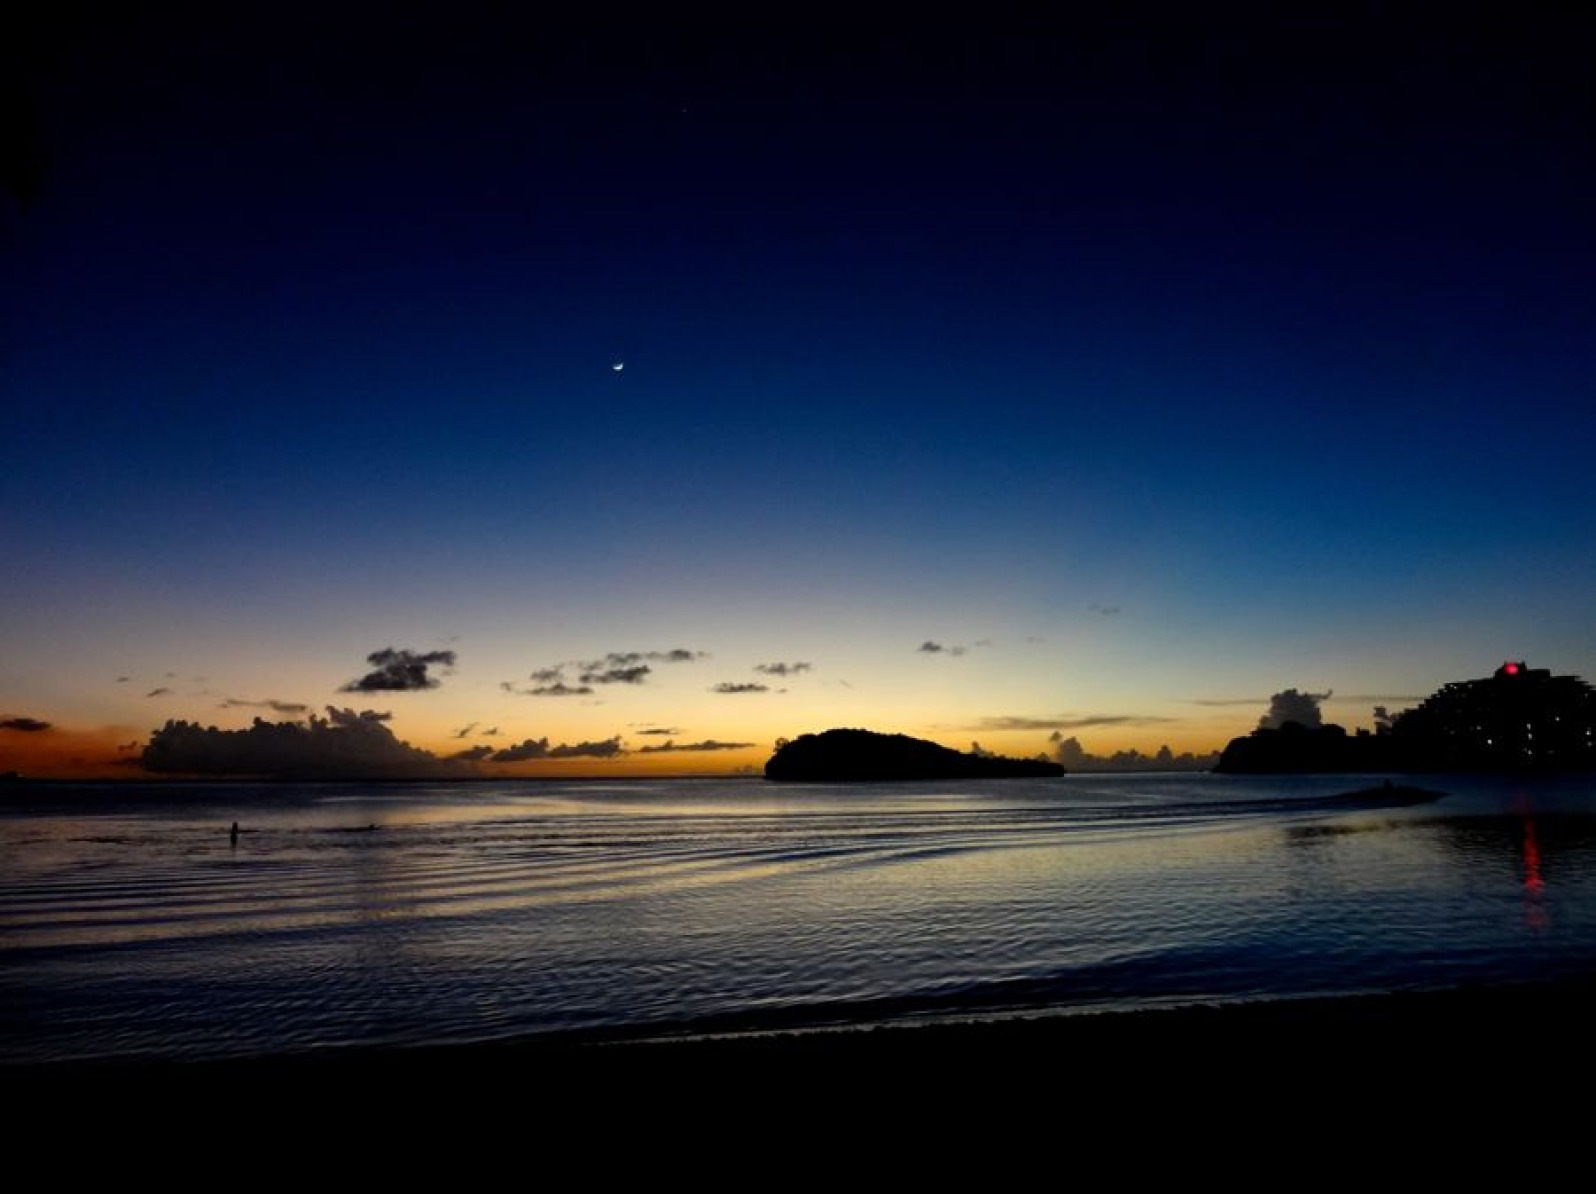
(1388, 1055)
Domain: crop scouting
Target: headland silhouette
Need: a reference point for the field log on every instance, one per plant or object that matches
(1517, 719)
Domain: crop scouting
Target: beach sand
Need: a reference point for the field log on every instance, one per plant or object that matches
(1406, 1090)
(1510, 1049)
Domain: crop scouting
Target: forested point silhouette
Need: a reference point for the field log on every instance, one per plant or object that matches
(865, 756)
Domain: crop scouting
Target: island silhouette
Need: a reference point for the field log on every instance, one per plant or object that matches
(865, 756)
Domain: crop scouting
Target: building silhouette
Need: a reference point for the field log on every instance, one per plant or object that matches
(1518, 719)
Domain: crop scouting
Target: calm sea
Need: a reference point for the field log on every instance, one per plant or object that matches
(131, 923)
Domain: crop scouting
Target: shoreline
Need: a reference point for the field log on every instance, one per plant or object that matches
(1455, 1029)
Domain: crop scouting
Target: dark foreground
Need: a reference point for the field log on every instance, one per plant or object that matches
(1381, 1063)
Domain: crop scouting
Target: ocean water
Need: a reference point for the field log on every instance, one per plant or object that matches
(357, 914)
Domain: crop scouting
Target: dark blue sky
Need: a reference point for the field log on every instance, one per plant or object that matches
(1269, 334)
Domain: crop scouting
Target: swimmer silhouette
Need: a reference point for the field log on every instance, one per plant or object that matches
(234, 834)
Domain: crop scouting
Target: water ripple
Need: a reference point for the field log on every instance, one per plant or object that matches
(414, 917)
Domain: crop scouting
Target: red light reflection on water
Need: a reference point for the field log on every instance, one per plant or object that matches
(1533, 883)
(1535, 911)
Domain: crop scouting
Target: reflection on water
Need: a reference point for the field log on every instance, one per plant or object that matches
(348, 913)
(1536, 914)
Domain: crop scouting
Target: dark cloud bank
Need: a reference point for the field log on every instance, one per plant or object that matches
(347, 744)
(1076, 757)
(1290, 705)
(28, 725)
(344, 743)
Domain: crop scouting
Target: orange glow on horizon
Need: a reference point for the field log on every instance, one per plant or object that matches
(109, 753)
(112, 752)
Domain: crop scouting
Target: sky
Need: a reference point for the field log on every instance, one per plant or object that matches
(427, 387)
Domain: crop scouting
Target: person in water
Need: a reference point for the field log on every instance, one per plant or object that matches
(234, 834)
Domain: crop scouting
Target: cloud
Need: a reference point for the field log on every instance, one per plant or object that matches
(1291, 705)
(490, 732)
(399, 671)
(783, 669)
(1064, 722)
(532, 748)
(344, 743)
(657, 731)
(558, 687)
(539, 748)
(676, 655)
(728, 688)
(473, 754)
(607, 749)
(155, 692)
(617, 667)
(632, 658)
(1076, 757)
(1019, 723)
(631, 674)
(933, 648)
(1378, 697)
(27, 725)
(464, 731)
(291, 708)
(707, 744)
